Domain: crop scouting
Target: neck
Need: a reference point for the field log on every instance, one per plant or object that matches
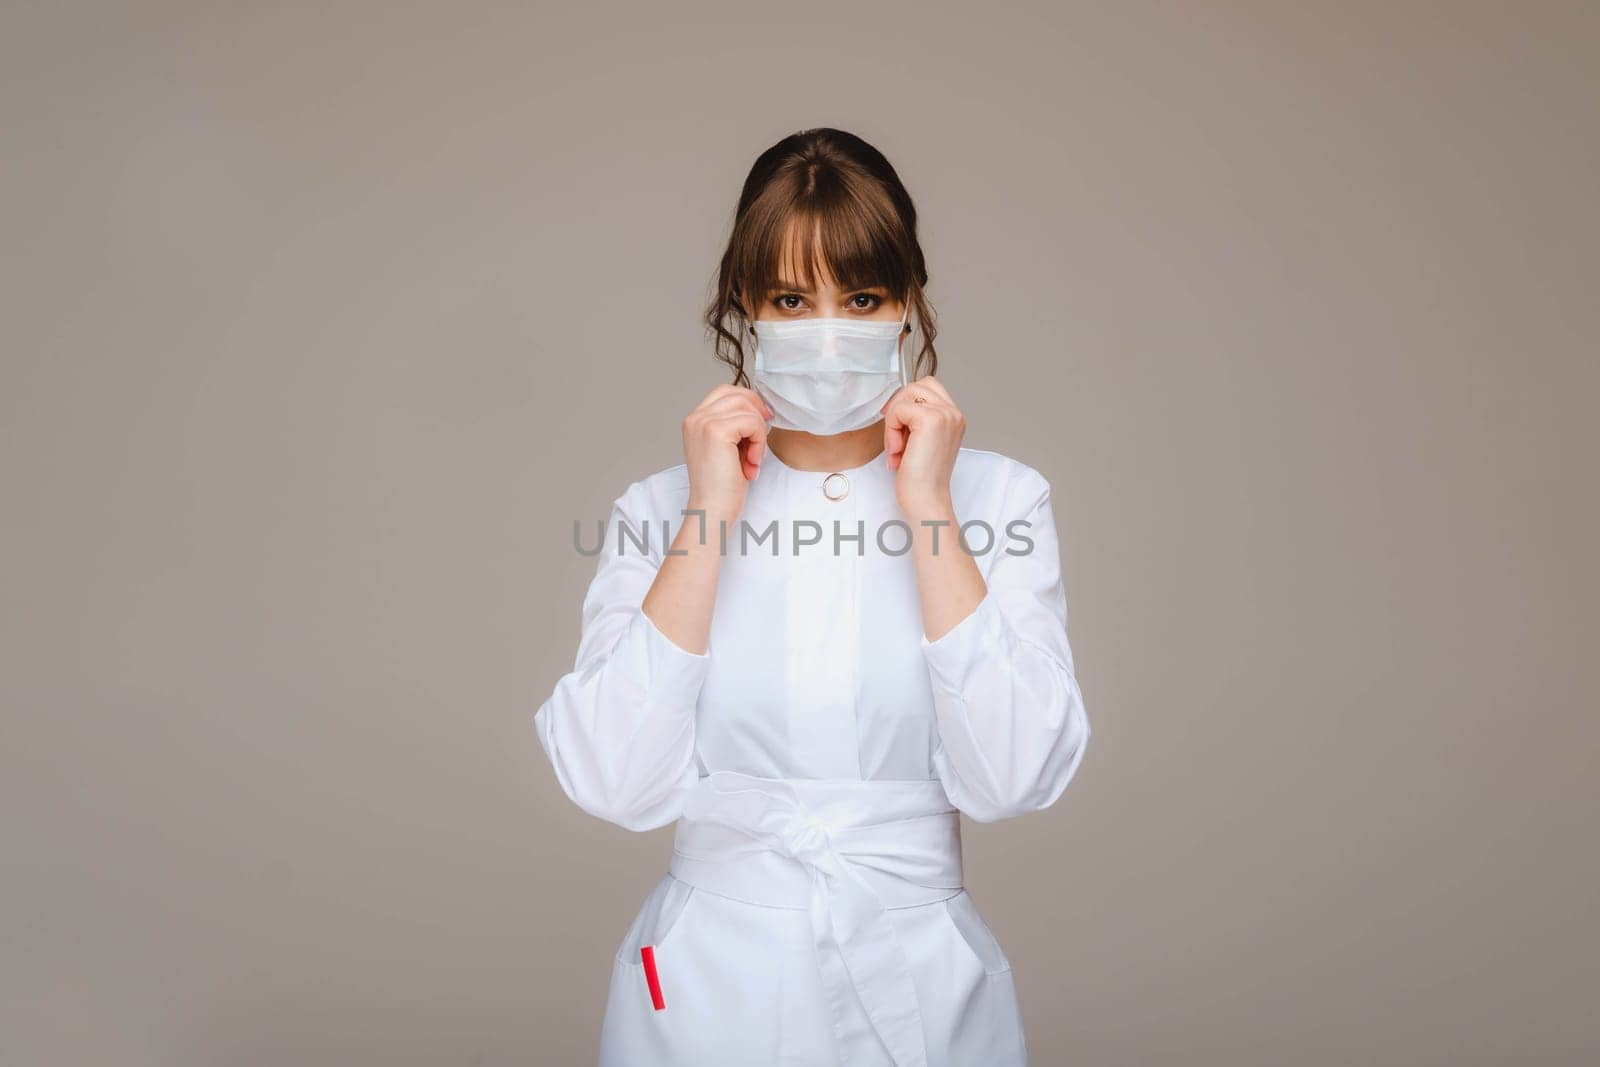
(802, 451)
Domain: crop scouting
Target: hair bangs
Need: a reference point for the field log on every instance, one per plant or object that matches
(829, 230)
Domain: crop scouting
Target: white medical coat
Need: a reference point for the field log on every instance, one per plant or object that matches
(820, 691)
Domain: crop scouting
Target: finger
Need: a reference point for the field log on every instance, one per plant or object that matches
(732, 397)
(758, 400)
(747, 433)
(894, 443)
(755, 400)
(908, 410)
(734, 427)
(723, 395)
(755, 450)
(895, 428)
(716, 394)
(936, 389)
(895, 413)
(752, 447)
(751, 452)
(910, 406)
(933, 393)
(730, 403)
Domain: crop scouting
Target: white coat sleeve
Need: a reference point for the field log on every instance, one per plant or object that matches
(619, 728)
(1011, 721)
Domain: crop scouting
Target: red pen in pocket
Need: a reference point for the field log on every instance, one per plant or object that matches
(647, 956)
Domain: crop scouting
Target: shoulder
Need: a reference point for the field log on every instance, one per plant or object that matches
(984, 477)
(658, 495)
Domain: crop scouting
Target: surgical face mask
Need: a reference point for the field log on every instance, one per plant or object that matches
(827, 376)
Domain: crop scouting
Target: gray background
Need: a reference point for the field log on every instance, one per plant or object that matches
(321, 328)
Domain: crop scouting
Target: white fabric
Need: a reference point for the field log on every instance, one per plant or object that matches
(826, 375)
(818, 675)
(845, 852)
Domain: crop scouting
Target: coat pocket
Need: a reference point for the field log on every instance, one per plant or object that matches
(657, 919)
(975, 934)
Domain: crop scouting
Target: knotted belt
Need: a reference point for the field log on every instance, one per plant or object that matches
(846, 852)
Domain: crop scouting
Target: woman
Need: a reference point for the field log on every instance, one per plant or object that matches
(829, 659)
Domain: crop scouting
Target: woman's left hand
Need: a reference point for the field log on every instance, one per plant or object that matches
(922, 430)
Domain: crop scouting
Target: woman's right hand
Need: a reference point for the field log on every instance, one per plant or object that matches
(724, 440)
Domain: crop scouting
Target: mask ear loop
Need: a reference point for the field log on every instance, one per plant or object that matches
(755, 355)
(905, 328)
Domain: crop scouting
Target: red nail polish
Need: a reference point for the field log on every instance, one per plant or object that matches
(647, 955)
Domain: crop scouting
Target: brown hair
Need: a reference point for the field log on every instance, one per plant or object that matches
(842, 199)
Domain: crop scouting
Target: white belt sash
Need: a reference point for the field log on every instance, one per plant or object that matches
(844, 851)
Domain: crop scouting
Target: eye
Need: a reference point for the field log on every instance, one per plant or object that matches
(782, 301)
(866, 302)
